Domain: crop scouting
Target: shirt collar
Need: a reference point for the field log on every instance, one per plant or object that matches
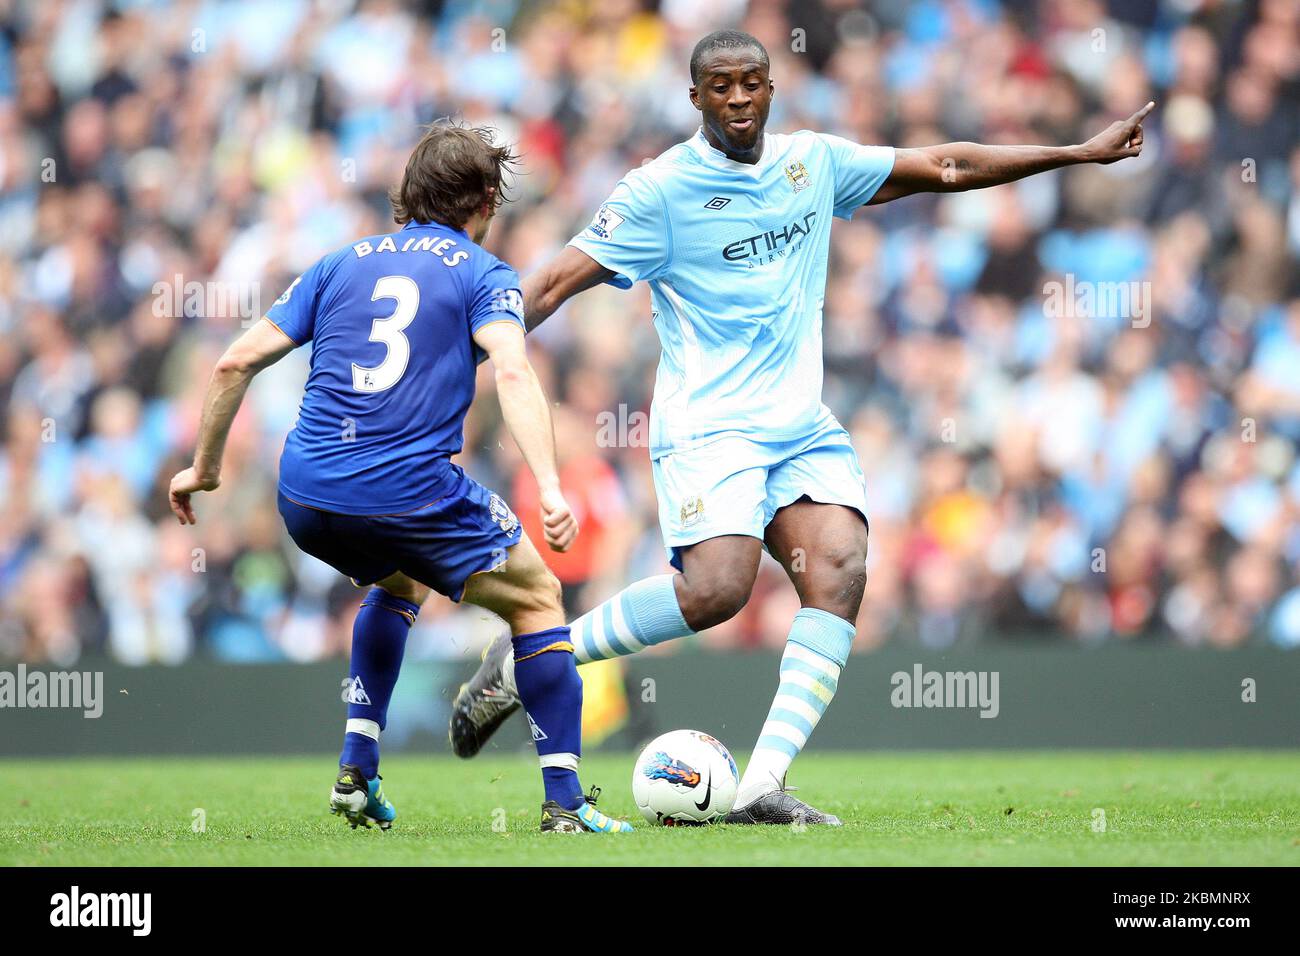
(434, 225)
(716, 157)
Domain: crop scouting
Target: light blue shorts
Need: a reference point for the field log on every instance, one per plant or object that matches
(734, 485)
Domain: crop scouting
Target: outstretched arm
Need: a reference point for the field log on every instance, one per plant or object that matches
(523, 406)
(262, 345)
(956, 167)
(569, 273)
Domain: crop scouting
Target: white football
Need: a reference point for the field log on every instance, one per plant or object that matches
(684, 777)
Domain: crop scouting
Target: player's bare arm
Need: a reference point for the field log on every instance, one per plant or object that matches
(956, 167)
(523, 405)
(733, 92)
(261, 346)
(570, 272)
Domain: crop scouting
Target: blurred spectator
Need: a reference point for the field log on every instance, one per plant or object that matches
(1076, 398)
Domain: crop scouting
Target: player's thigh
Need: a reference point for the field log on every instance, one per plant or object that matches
(818, 524)
(405, 587)
(521, 589)
(815, 534)
(717, 577)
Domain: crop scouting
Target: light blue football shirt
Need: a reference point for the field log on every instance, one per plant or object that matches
(735, 255)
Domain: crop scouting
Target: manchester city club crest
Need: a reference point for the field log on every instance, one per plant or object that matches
(797, 173)
(692, 511)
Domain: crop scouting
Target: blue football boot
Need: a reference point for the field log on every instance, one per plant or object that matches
(361, 801)
(585, 819)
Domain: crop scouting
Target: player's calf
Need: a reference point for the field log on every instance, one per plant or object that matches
(815, 654)
(378, 645)
(829, 543)
(527, 595)
(715, 584)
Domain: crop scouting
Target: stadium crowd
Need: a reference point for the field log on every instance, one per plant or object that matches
(1076, 399)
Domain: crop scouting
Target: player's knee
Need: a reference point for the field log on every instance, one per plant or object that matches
(406, 589)
(837, 578)
(543, 596)
(554, 592)
(706, 604)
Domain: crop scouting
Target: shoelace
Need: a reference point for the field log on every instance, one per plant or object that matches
(593, 796)
(489, 704)
(783, 788)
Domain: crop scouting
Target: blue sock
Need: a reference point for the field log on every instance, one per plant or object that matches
(378, 642)
(551, 691)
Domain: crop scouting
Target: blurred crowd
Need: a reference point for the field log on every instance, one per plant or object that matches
(1076, 399)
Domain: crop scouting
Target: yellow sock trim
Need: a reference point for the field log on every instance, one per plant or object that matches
(557, 646)
(410, 618)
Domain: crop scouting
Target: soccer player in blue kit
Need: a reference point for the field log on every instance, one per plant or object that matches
(398, 324)
(731, 229)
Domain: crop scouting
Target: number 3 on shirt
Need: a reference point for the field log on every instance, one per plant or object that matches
(388, 330)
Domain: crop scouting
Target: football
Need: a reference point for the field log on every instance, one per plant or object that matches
(684, 777)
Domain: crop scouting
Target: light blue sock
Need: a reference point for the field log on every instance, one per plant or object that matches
(640, 616)
(816, 651)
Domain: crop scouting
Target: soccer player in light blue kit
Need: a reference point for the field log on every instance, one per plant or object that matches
(397, 324)
(731, 230)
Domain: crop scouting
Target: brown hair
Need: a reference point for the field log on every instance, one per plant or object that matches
(452, 172)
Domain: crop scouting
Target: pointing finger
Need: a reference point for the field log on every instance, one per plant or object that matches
(1141, 114)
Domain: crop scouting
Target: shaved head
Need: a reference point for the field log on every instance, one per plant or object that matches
(731, 41)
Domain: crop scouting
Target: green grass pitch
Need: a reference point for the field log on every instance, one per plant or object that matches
(1208, 808)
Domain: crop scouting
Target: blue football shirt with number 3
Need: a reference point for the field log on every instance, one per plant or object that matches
(391, 320)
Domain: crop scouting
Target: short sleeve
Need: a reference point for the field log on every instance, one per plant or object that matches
(629, 235)
(497, 298)
(859, 172)
(294, 313)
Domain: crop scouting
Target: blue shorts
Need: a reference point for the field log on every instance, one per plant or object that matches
(468, 530)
